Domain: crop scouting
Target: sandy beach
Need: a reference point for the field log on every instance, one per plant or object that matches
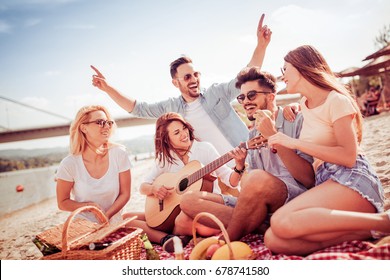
(19, 228)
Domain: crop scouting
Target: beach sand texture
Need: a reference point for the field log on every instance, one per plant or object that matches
(19, 228)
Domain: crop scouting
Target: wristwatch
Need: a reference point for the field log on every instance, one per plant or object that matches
(239, 171)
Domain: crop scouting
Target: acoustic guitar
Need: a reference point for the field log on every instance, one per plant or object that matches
(161, 214)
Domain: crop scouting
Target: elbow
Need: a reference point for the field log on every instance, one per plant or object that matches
(145, 190)
(308, 180)
(61, 205)
(350, 161)
(126, 196)
(308, 183)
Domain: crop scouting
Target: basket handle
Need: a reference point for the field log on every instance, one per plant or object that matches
(98, 213)
(221, 226)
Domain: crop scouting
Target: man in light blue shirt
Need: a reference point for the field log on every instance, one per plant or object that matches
(273, 179)
(208, 110)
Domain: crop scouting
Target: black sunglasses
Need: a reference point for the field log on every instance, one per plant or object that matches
(251, 95)
(101, 123)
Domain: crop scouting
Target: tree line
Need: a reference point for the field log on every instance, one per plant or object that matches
(17, 163)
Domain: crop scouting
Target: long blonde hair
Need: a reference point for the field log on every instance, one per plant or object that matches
(78, 140)
(314, 68)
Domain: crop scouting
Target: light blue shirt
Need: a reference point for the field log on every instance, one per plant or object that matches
(266, 160)
(216, 102)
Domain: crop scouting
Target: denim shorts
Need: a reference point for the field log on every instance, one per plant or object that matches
(229, 200)
(361, 178)
(293, 190)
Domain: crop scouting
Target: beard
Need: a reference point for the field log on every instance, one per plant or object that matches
(191, 92)
(263, 106)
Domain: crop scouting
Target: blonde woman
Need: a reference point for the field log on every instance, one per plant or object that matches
(347, 201)
(97, 171)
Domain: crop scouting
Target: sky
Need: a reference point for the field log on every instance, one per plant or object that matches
(47, 47)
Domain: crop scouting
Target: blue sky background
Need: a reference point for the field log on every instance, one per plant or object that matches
(46, 47)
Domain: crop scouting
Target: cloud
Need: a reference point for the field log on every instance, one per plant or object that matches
(32, 22)
(52, 73)
(5, 27)
(248, 39)
(36, 2)
(51, 1)
(78, 26)
(300, 20)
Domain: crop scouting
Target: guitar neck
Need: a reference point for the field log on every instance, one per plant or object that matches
(215, 164)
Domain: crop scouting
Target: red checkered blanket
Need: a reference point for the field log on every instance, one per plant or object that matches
(351, 250)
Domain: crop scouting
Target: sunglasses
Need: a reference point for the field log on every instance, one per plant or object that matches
(188, 77)
(251, 95)
(101, 123)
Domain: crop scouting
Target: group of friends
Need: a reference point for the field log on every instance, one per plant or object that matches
(306, 187)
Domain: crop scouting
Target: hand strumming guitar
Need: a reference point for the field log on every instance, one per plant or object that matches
(161, 192)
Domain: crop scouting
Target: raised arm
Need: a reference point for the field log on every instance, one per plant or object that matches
(263, 38)
(99, 81)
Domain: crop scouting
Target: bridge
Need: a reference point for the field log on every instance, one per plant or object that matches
(10, 135)
(60, 130)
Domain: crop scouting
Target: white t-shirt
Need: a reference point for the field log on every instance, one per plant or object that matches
(103, 191)
(203, 152)
(203, 125)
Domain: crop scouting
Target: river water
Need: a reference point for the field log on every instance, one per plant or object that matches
(38, 184)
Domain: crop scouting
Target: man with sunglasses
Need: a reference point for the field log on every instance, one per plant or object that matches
(208, 110)
(273, 178)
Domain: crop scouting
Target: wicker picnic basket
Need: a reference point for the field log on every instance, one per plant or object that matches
(75, 235)
(224, 234)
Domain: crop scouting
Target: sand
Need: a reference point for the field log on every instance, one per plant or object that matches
(20, 227)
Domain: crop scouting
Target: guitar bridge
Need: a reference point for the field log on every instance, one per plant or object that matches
(161, 204)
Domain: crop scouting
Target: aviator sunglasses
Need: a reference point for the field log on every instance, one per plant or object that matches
(251, 95)
(188, 77)
(101, 123)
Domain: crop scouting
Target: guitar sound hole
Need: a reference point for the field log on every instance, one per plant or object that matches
(183, 185)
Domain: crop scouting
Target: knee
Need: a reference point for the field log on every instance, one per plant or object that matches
(189, 201)
(282, 225)
(258, 183)
(182, 219)
(270, 239)
(183, 224)
(274, 243)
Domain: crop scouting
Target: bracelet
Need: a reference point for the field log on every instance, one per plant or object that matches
(239, 171)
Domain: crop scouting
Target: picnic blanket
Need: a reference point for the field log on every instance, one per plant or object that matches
(351, 250)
